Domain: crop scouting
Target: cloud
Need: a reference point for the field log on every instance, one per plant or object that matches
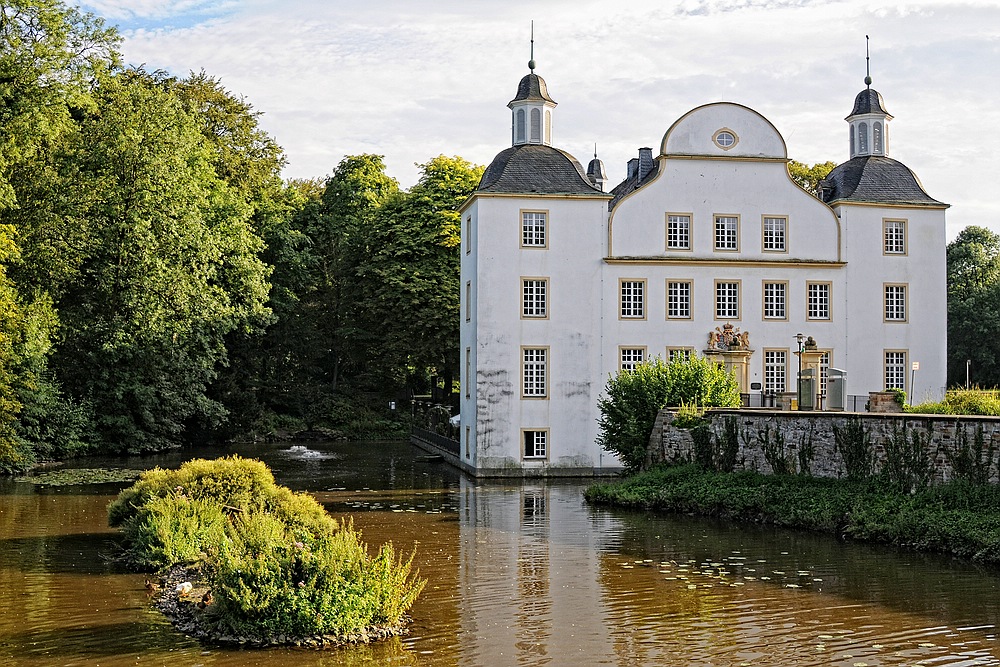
(411, 80)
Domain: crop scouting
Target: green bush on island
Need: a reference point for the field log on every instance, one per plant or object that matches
(633, 398)
(958, 517)
(277, 564)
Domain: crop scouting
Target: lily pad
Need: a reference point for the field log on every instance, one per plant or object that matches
(74, 476)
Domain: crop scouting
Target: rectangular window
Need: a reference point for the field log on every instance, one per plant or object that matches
(727, 232)
(774, 234)
(535, 444)
(679, 299)
(775, 370)
(894, 233)
(818, 295)
(630, 357)
(468, 234)
(727, 300)
(895, 369)
(534, 372)
(632, 299)
(533, 229)
(895, 303)
(678, 232)
(534, 297)
(468, 372)
(774, 301)
(468, 301)
(468, 442)
(678, 354)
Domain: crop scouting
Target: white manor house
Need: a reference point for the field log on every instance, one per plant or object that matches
(707, 247)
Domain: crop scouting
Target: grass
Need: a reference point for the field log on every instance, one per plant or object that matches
(277, 564)
(962, 402)
(957, 518)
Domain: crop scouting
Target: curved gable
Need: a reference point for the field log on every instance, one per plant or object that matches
(694, 133)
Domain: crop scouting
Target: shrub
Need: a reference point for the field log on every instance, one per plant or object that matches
(632, 399)
(278, 565)
(962, 402)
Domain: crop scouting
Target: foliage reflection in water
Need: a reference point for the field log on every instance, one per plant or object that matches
(520, 573)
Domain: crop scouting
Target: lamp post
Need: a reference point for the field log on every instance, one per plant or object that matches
(967, 362)
(799, 338)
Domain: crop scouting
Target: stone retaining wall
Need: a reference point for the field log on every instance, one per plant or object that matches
(939, 447)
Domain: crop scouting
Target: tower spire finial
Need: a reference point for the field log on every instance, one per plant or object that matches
(531, 63)
(868, 68)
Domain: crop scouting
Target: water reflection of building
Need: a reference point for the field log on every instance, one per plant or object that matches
(529, 573)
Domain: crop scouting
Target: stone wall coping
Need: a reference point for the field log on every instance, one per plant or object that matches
(791, 414)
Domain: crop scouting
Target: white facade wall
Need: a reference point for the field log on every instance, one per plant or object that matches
(571, 264)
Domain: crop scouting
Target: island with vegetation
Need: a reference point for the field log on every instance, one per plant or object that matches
(245, 561)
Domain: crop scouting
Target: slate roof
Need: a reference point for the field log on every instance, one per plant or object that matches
(869, 101)
(532, 87)
(875, 179)
(631, 184)
(536, 169)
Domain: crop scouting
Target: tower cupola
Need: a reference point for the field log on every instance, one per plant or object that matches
(869, 121)
(531, 108)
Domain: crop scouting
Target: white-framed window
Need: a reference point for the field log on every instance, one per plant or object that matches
(725, 138)
(632, 299)
(534, 229)
(818, 301)
(679, 353)
(895, 369)
(679, 299)
(630, 357)
(727, 300)
(774, 301)
(534, 372)
(534, 298)
(775, 371)
(535, 443)
(727, 232)
(894, 237)
(895, 303)
(774, 234)
(678, 232)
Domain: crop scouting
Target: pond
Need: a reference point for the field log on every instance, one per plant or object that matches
(520, 573)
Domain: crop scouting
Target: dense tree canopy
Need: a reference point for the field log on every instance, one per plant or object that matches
(808, 177)
(974, 307)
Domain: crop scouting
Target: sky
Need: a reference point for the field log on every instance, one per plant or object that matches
(413, 79)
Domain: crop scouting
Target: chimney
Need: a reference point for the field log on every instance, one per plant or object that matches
(645, 162)
(633, 168)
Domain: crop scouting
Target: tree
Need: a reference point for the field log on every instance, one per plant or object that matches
(633, 398)
(974, 306)
(808, 177)
(412, 271)
(153, 263)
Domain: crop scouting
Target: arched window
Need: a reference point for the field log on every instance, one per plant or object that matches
(863, 138)
(548, 126)
(519, 135)
(853, 150)
(536, 126)
(877, 135)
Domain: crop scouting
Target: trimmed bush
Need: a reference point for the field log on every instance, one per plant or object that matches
(277, 564)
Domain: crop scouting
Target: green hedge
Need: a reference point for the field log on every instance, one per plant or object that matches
(958, 518)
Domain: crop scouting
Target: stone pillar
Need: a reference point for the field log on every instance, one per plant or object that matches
(737, 361)
(811, 361)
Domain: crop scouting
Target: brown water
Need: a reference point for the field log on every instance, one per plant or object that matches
(519, 574)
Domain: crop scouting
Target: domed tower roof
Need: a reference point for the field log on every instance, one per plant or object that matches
(536, 169)
(532, 88)
(868, 101)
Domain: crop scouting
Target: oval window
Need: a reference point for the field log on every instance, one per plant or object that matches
(725, 139)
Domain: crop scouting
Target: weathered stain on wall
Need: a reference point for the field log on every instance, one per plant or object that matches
(945, 447)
